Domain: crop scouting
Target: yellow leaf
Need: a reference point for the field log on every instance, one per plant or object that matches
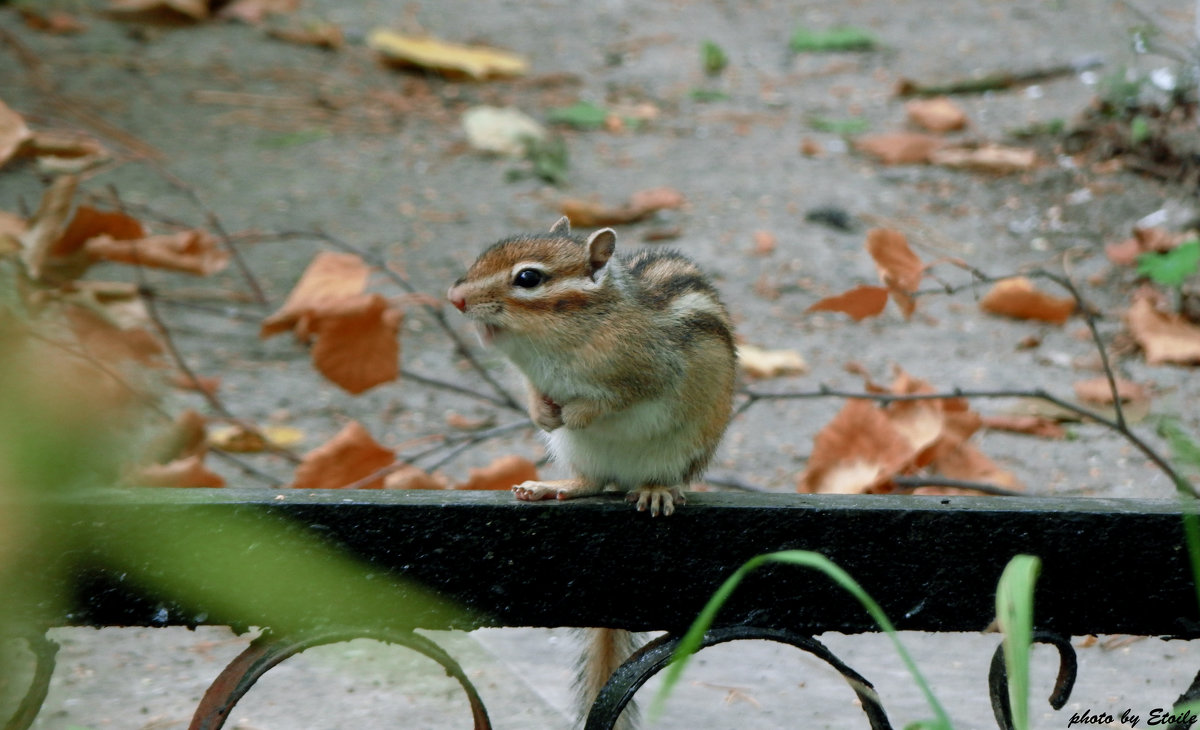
(477, 62)
(759, 363)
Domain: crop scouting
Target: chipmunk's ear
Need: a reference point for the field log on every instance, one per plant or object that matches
(600, 248)
(562, 227)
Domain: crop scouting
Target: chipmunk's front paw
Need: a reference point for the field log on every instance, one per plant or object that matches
(659, 500)
(533, 491)
(545, 413)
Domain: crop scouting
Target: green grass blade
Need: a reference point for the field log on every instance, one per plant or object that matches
(1014, 614)
(807, 559)
(1186, 451)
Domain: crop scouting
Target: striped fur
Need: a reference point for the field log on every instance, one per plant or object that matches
(630, 362)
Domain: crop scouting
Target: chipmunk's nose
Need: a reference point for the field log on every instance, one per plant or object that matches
(457, 299)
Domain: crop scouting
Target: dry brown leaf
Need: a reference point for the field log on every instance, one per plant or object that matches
(899, 268)
(859, 451)
(414, 477)
(47, 225)
(54, 22)
(185, 437)
(936, 115)
(756, 362)
(186, 472)
(329, 278)
(1019, 299)
(357, 342)
(105, 341)
(202, 383)
(641, 205)
(995, 159)
(195, 9)
(469, 423)
(1098, 391)
(12, 227)
(14, 133)
(59, 153)
(860, 302)
(1030, 425)
(89, 222)
(191, 252)
(764, 243)
(254, 11)
(349, 456)
(243, 440)
(968, 463)
(1165, 338)
(322, 35)
(503, 473)
(899, 148)
(452, 59)
(1143, 240)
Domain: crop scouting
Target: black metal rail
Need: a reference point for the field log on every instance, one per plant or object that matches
(381, 564)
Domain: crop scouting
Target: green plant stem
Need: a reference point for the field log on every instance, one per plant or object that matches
(804, 558)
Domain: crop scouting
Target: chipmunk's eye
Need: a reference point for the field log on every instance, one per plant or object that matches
(528, 278)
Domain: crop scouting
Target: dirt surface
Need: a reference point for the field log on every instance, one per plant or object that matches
(276, 137)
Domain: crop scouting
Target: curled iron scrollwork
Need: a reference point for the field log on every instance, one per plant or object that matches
(44, 652)
(268, 650)
(1068, 668)
(656, 655)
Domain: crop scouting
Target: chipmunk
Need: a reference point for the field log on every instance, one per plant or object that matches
(630, 365)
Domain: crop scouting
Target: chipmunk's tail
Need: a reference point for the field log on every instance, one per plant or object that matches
(604, 651)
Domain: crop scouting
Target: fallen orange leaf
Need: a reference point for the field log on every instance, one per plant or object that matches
(329, 278)
(936, 115)
(898, 148)
(641, 205)
(413, 477)
(1039, 426)
(349, 456)
(14, 133)
(858, 451)
(357, 342)
(104, 340)
(186, 472)
(860, 302)
(1098, 391)
(254, 11)
(503, 473)
(452, 59)
(47, 225)
(1019, 299)
(195, 9)
(995, 159)
(1165, 338)
(191, 252)
(89, 222)
(756, 362)
(899, 268)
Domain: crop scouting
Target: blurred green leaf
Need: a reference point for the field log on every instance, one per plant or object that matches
(713, 58)
(707, 95)
(581, 115)
(1014, 615)
(854, 125)
(1139, 129)
(1173, 267)
(835, 39)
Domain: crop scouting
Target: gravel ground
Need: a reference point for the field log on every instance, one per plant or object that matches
(274, 136)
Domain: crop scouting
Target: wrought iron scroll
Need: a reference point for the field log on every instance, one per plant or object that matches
(269, 650)
(44, 652)
(1068, 668)
(656, 655)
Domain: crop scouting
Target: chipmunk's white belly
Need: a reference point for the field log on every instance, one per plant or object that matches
(643, 444)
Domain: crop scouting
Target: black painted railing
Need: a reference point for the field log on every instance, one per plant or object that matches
(381, 564)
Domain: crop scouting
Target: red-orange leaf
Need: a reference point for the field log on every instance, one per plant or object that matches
(858, 451)
(191, 252)
(186, 472)
(503, 473)
(349, 456)
(1017, 298)
(860, 302)
(330, 277)
(357, 342)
